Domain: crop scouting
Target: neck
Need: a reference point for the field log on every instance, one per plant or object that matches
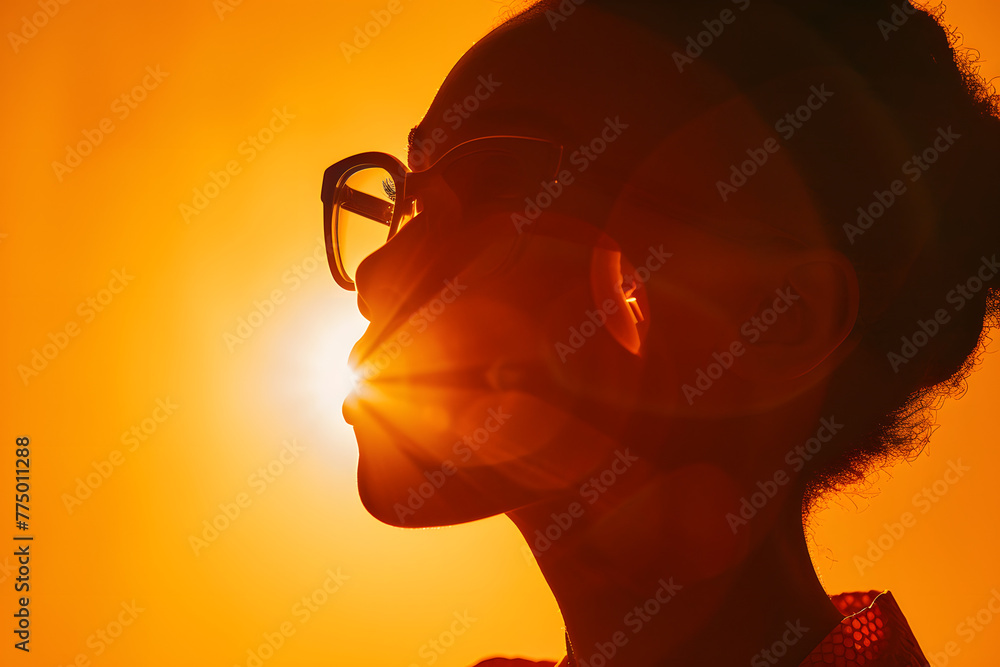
(648, 570)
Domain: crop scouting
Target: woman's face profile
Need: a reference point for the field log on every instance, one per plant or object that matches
(511, 347)
(657, 353)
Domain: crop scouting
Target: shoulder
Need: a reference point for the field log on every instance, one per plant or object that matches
(514, 662)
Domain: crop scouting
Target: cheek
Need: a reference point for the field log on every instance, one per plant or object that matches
(474, 384)
(516, 449)
(454, 399)
(438, 384)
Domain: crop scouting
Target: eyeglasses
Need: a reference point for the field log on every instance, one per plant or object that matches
(369, 197)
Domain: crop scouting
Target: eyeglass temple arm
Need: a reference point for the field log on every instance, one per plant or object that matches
(364, 204)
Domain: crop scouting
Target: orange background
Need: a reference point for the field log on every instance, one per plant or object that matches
(163, 336)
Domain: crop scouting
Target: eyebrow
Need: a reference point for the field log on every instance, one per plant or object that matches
(525, 124)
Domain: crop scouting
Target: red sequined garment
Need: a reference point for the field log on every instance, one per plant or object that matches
(874, 633)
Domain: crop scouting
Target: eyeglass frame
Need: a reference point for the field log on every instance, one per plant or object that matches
(407, 184)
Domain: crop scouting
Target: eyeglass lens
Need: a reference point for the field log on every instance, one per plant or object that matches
(363, 211)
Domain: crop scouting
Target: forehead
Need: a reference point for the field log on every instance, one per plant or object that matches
(687, 126)
(526, 78)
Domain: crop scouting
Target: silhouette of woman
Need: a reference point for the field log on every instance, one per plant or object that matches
(660, 275)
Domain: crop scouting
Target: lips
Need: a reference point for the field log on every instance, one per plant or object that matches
(377, 338)
(400, 388)
(350, 409)
(399, 383)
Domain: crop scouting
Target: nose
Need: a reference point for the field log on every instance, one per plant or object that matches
(385, 278)
(397, 273)
(363, 307)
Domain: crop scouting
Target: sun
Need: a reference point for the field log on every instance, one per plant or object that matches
(309, 357)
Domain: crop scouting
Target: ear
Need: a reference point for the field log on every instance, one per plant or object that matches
(621, 295)
(798, 326)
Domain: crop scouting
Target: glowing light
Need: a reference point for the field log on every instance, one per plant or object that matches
(307, 361)
(634, 309)
(323, 354)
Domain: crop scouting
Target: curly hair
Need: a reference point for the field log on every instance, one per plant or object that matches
(925, 305)
(926, 80)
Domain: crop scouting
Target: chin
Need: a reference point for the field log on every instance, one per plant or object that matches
(380, 506)
(394, 490)
(395, 506)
